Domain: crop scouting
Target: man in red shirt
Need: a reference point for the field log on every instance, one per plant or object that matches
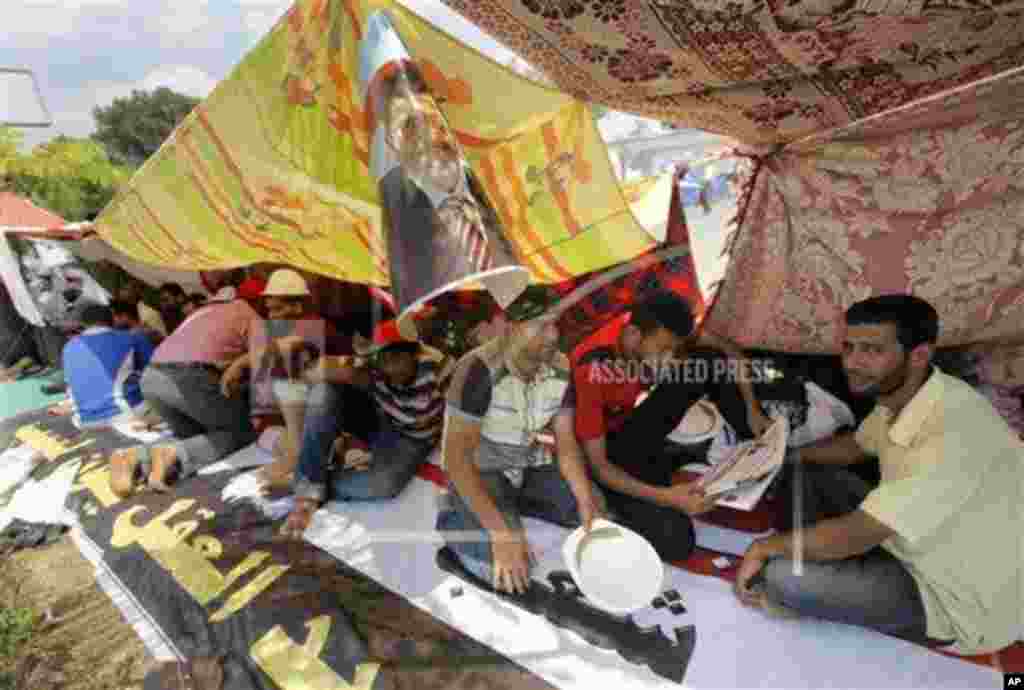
(625, 443)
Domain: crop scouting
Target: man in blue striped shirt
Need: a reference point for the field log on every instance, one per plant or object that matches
(376, 419)
(102, 367)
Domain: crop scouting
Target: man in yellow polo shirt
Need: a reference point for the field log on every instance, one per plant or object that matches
(933, 554)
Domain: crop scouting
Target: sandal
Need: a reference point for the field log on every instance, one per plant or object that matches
(298, 520)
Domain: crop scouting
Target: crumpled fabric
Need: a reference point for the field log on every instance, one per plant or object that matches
(24, 535)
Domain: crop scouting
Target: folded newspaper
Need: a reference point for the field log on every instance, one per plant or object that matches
(741, 478)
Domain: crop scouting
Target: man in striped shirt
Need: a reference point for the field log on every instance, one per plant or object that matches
(369, 424)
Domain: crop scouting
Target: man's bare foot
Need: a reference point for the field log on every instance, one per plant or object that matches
(163, 459)
(300, 517)
(123, 464)
(275, 479)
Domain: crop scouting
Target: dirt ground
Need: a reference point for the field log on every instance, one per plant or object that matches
(80, 642)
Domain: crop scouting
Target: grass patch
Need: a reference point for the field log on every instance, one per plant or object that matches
(15, 629)
(16, 626)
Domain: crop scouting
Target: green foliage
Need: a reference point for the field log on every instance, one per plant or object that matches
(10, 143)
(133, 128)
(72, 177)
(15, 629)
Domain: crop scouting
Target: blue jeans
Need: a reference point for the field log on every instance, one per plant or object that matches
(545, 495)
(332, 409)
(873, 590)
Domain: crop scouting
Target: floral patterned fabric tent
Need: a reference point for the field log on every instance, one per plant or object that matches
(761, 71)
(884, 144)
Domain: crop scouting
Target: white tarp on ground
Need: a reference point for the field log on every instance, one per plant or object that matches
(395, 544)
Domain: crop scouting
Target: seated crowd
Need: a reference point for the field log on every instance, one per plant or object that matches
(930, 552)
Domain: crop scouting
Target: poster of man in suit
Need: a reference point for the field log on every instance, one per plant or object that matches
(442, 231)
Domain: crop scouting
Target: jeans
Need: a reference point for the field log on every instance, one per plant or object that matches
(544, 494)
(873, 590)
(333, 409)
(208, 426)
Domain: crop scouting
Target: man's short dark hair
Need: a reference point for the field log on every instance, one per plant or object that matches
(97, 315)
(173, 288)
(916, 320)
(663, 310)
(120, 308)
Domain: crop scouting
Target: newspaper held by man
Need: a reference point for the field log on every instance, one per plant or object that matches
(742, 478)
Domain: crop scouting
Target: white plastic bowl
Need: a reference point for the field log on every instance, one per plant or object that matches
(614, 567)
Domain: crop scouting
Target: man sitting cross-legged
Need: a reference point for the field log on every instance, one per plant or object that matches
(625, 443)
(504, 396)
(933, 554)
(380, 415)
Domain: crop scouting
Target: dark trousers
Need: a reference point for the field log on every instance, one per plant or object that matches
(332, 409)
(208, 427)
(639, 448)
(873, 590)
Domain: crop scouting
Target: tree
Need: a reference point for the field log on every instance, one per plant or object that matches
(132, 129)
(10, 146)
(72, 177)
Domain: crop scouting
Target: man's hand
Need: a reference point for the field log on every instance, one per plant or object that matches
(758, 420)
(753, 561)
(512, 561)
(316, 372)
(231, 381)
(339, 370)
(589, 508)
(688, 498)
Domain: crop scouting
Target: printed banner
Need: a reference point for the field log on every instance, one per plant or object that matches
(441, 230)
(287, 161)
(213, 578)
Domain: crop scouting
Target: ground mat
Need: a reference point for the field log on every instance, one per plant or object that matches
(364, 603)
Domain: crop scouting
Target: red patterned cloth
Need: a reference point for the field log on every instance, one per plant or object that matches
(641, 276)
(760, 72)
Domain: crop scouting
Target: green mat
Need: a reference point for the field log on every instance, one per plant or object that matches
(21, 396)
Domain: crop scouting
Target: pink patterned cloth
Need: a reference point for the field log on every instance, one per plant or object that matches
(760, 72)
(927, 199)
(1007, 400)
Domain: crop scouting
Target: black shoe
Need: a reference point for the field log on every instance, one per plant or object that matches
(53, 388)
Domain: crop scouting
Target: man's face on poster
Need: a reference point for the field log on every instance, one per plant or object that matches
(417, 133)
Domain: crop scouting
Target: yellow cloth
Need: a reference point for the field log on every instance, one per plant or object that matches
(951, 489)
(151, 319)
(274, 166)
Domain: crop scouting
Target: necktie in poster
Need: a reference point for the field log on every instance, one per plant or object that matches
(442, 232)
